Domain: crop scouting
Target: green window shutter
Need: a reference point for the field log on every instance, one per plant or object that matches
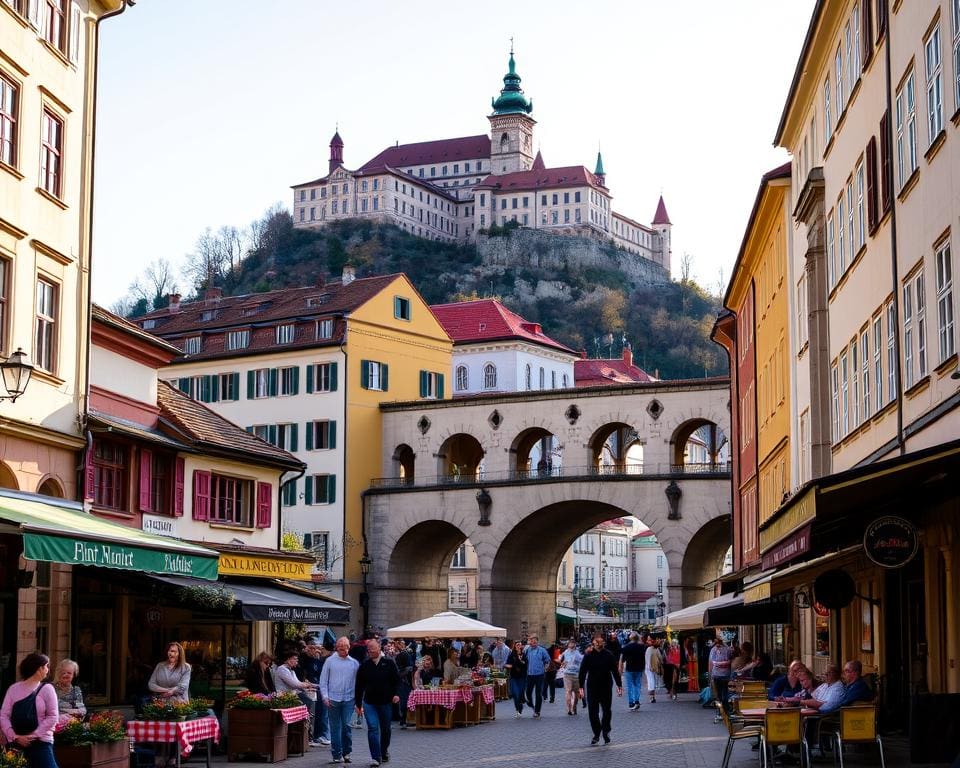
(383, 376)
(234, 386)
(364, 374)
(331, 489)
(204, 389)
(309, 426)
(272, 434)
(251, 385)
(332, 432)
(333, 377)
(396, 307)
(296, 380)
(215, 388)
(294, 428)
(308, 490)
(274, 382)
(310, 370)
(250, 430)
(424, 378)
(440, 386)
(184, 385)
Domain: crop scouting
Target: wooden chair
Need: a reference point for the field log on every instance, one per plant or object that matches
(858, 725)
(737, 732)
(783, 728)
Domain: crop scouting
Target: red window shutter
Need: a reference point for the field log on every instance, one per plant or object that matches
(886, 166)
(872, 217)
(89, 475)
(201, 495)
(178, 472)
(146, 479)
(264, 506)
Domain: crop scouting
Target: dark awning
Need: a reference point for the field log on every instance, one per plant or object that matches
(738, 613)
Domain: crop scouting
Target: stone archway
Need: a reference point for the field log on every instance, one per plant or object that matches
(7, 478)
(703, 560)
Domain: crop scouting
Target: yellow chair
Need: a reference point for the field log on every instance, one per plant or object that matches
(783, 728)
(753, 688)
(736, 732)
(858, 725)
(749, 702)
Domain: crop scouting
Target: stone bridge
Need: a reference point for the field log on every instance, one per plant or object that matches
(522, 475)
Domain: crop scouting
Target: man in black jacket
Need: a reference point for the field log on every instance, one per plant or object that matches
(378, 682)
(598, 673)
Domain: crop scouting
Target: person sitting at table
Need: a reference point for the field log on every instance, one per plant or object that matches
(171, 678)
(807, 686)
(743, 661)
(788, 685)
(426, 674)
(451, 667)
(469, 656)
(69, 696)
(259, 678)
(828, 695)
(855, 688)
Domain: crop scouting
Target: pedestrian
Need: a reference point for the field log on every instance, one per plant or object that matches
(500, 653)
(378, 683)
(671, 669)
(310, 668)
(719, 669)
(171, 678)
(632, 661)
(338, 683)
(405, 667)
(30, 712)
(653, 664)
(570, 661)
(537, 661)
(550, 674)
(259, 678)
(598, 673)
(517, 665)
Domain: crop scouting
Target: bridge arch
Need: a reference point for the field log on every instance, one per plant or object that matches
(536, 451)
(460, 456)
(404, 463)
(694, 433)
(703, 560)
(615, 448)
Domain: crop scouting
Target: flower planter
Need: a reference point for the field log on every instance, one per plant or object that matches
(256, 734)
(113, 755)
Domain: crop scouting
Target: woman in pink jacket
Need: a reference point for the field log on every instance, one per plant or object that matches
(36, 743)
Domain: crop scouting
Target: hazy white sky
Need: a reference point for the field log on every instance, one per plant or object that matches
(210, 110)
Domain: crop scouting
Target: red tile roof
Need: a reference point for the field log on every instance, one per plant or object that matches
(426, 152)
(468, 322)
(600, 372)
(660, 217)
(538, 164)
(548, 178)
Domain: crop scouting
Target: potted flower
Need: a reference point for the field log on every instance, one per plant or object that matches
(201, 707)
(11, 758)
(164, 709)
(100, 742)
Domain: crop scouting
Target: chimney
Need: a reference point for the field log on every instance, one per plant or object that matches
(348, 276)
(628, 356)
(173, 302)
(213, 295)
(321, 281)
(583, 354)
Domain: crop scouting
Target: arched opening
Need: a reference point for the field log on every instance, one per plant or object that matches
(537, 453)
(462, 581)
(699, 443)
(704, 559)
(504, 143)
(460, 458)
(403, 463)
(7, 478)
(51, 487)
(462, 378)
(489, 376)
(617, 450)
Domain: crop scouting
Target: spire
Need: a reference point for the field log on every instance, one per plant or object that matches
(660, 217)
(511, 99)
(336, 151)
(598, 171)
(538, 164)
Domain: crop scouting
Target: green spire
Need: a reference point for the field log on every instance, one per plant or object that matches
(598, 171)
(511, 99)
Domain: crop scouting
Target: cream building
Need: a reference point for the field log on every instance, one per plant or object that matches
(453, 189)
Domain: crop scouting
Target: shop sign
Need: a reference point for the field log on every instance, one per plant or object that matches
(162, 526)
(236, 564)
(296, 614)
(821, 610)
(891, 542)
(793, 546)
(757, 593)
(60, 549)
(797, 515)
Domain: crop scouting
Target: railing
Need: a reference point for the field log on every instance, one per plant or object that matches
(555, 473)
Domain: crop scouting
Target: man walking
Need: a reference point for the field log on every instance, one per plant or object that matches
(311, 665)
(719, 669)
(338, 683)
(598, 673)
(377, 691)
(631, 667)
(500, 653)
(537, 661)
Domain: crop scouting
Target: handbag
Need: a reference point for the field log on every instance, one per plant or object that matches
(23, 713)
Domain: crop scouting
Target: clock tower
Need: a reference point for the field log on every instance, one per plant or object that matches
(511, 127)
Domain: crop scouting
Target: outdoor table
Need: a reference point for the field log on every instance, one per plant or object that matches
(183, 733)
(471, 709)
(500, 688)
(435, 706)
(760, 713)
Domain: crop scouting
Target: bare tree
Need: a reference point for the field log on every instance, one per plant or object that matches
(686, 265)
(157, 282)
(231, 242)
(205, 264)
(721, 283)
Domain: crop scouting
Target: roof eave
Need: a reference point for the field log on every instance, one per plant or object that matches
(798, 72)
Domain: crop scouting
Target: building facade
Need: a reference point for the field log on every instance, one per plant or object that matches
(455, 189)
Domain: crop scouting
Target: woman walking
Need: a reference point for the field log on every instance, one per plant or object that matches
(652, 668)
(30, 712)
(517, 664)
(671, 669)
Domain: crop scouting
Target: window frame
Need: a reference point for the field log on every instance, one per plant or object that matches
(220, 486)
(10, 118)
(286, 333)
(118, 468)
(190, 342)
(946, 316)
(462, 378)
(905, 108)
(877, 324)
(934, 83)
(6, 266)
(46, 325)
(489, 376)
(235, 336)
(51, 152)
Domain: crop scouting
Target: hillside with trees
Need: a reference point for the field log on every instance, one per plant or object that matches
(592, 309)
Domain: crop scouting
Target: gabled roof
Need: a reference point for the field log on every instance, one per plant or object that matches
(599, 372)
(470, 322)
(426, 152)
(567, 176)
(660, 217)
(538, 164)
(210, 433)
(375, 170)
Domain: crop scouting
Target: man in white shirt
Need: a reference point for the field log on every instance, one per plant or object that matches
(828, 695)
(338, 681)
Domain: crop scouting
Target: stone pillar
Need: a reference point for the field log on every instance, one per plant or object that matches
(522, 611)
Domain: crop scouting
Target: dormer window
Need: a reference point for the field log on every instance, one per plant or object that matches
(238, 339)
(250, 309)
(286, 333)
(316, 301)
(192, 345)
(149, 325)
(324, 329)
(208, 314)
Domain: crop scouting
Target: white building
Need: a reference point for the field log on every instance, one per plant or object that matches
(648, 577)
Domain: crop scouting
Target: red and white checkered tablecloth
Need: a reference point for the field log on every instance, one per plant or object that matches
(184, 733)
(442, 697)
(487, 692)
(293, 714)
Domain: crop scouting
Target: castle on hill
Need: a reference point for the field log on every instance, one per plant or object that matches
(453, 189)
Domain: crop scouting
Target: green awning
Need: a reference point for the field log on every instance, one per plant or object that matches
(58, 531)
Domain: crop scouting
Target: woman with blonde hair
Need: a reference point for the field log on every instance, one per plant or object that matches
(69, 696)
(171, 678)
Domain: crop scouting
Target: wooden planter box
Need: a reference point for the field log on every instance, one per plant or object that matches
(256, 734)
(433, 716)
(113, 755)
(298, 736)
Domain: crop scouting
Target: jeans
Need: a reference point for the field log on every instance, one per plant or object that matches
(634, 686)
(404, 692)
(321, 720)
(517, 686)
(378, 717)
(549, 685)
(535, 685)
(341, 737)
(40, 755)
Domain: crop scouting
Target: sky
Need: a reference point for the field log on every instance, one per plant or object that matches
(209, 111)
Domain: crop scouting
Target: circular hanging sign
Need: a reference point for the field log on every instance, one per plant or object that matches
(891, 542)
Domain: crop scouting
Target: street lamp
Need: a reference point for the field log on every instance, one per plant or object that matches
(576, 603)
(365, 563)
(16, 370)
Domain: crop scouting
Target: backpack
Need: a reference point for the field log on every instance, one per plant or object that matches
(23, 713)
(656, 662)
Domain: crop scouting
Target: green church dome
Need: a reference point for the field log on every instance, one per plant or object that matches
(511, 99)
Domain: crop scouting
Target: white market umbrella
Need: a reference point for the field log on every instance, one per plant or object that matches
(447, 625)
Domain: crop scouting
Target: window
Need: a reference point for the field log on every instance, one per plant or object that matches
(431, 385)
(51, 153)
(489, 376)
(192, 345)
(865, 371)
(462, 378)
(831, 254)
(238, 339)
(54, 27)
(835, 401)
(851, 226)
(956, 53)
(873, 212)
(838, 69)
(945, 301)
(908, 377)
(528, 377)
(920, 303)
(324, 329)
(566, 381)
(9, 102)
(401, 308)
(878, 359)
(459, 557)
(286, 333)
(321, 435)
(857, 43)
(226, 386)
(110, 475)
(159, 482)
(322, 377)
(261, 382)
(841, 256)
(543, 378)
(827, 119)
(844, 394)
(373, 375)
(801, 314)
(45, 341)
(906, 112)
(289, 380)
(851, 72)
(934, 71)
(891, 353)
(854, 384)
(320, 489)
(4, 298)
(231, 500)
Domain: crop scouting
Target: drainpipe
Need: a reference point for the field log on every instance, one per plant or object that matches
(283, 482)
(346, 410)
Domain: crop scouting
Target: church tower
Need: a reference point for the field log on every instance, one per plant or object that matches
(662, 226)
(511, 127)
(336, 152)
